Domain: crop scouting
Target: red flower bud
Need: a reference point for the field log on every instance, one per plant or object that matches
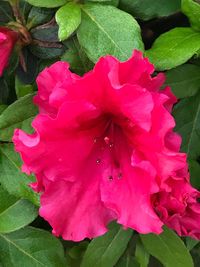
(8, 38)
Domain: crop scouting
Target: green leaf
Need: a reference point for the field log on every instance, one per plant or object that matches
(174, 48)
(168, 248)
(15, 213)
(192, 10)
(191, 243)
(187, 116)
(4, 91)
(42, 52)
(184, 80)
(68, 18)
(106, 250)
(47, 33)
(31, 247)
(194, 168)
(141, 254)
(127, 260)
(47, 3)
(104, 2)
(149, 9)
(11, 177)
(22, 89)
(76, 57)
(99, 36)
(17, 115)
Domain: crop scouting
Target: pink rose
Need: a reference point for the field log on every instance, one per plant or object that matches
(8, 39)
(104, 149)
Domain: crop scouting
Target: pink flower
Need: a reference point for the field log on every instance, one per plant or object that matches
(8, 39)
(104, 149)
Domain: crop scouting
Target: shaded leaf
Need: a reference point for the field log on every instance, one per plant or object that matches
(184, 80)
(187, 115)
(148, 9)
(47, 3)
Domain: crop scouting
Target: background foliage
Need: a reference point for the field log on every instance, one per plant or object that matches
(168, 32)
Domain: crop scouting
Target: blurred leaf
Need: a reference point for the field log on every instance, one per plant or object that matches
(192, 10)
(149, 9)
(174, 48)
(2, 108)
(184, 80)
(31, 247)
(99, 36)
(127, 260)
(68, 18)
(106, 250)
(47, 3)
(194, 168)
(141, 254)
(104, 2)
(18, 115)
(4, 91)
(76, 57)
(187, 116)
(168, 248)
(38, 16)
(21, 88)
(15, 213)
(6, 14)
(191, 243)
(75, 254)
(11, 176)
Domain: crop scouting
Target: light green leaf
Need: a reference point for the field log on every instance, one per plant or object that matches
(15, 213)
(31, 247)
(68, 18)
(149, 9)
(184, 80)
(106, 250)
(47, 3)
(17, 115)
(174, 48)
(11, 177)
(168, 248)
(187, 115)
(192, 10)
(100, 36)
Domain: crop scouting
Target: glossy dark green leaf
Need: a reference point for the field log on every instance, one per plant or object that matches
(47, 3)
(187, 115)
(38, 16)
(191, 9)
(184, 80)
(11, 176)
(148, 9)
(48, 52)
(76, 57)
(48, 33)
(6, 14)
(174, 48)
(99, 36)
(106, 250)
(31, 247)
(68, 18)
(15, 213)
(168, 248)
(18, 115)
